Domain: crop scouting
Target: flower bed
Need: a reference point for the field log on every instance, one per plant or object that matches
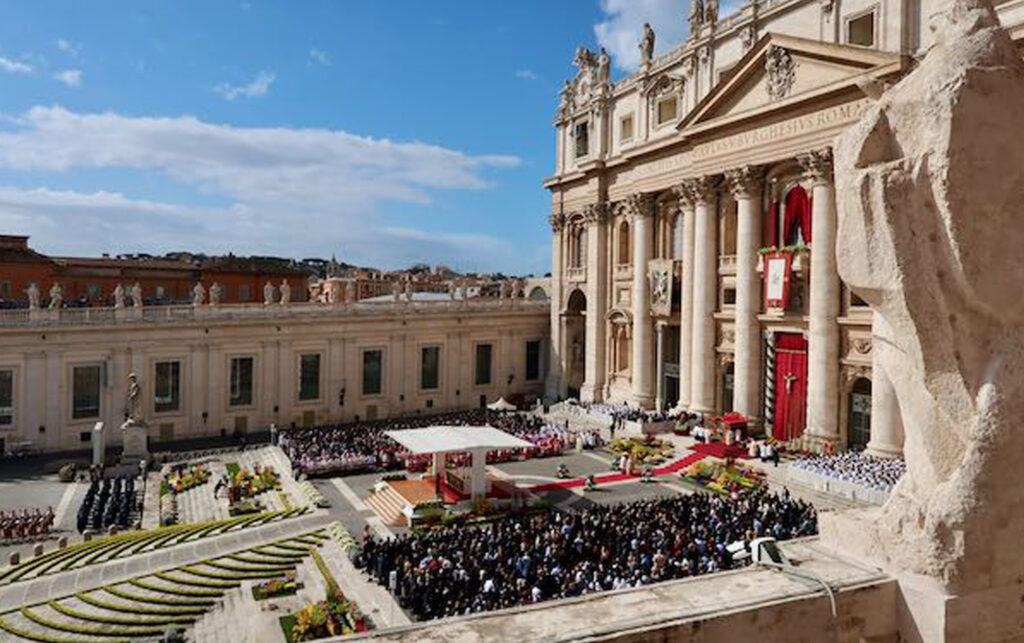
(335, 616)
(182, 478)
(642, 450)
(274, 587)
(722, 479)
(247, 484)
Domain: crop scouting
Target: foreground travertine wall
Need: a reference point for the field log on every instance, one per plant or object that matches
(930, 189)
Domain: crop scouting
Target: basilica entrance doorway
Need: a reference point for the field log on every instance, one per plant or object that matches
(574, 319)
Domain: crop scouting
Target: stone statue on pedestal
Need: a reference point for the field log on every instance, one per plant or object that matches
(215, 294)
(33, 296)
(56, 296)
(604, 66)
(396, 290)
(134, 428)
(119, 296)
(137, 295)
(268, 293)
(286, 292)
(696, 17)
(198, 294)
(711, 12)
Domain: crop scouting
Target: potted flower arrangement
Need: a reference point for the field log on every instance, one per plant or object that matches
(271, 588)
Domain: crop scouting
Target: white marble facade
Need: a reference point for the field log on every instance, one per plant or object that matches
(682, 161)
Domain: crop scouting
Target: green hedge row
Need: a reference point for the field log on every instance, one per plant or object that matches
(41, 638)
(119, 620)
(175, 602)
(87, 598)
(176, 591)
(88, 631)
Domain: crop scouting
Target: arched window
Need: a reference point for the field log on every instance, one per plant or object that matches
(677, 236)
(624, 257)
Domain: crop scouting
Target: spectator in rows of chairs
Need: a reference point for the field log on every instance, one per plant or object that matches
(363, 446)
(16, 526)
(107, 503)
(523, 559)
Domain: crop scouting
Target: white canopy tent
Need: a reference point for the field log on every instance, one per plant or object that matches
(477, 440)
(502, 405)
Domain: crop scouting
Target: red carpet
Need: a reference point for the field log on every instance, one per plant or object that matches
(720, 450)
(673, 467)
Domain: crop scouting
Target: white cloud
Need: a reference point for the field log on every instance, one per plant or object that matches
(526, 74)
(320, 56)
(258, 87)
(68, 47)
(14, 66)
(622, 28)
(70, 77)
(290, 192)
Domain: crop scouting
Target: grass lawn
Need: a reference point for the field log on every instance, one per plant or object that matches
(287, 623)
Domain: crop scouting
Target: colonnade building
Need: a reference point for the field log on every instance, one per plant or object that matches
(694, 220)
(206, 370)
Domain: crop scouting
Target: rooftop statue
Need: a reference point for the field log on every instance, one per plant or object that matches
(647, 45)
(929, 184)
(696, 16)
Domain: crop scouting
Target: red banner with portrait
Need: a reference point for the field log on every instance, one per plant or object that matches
(778, 267)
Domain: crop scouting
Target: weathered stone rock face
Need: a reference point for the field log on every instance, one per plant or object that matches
(930, 189)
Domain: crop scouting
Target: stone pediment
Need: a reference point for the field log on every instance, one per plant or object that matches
(780, 71)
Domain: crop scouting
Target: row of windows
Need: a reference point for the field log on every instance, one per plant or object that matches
(87, 381)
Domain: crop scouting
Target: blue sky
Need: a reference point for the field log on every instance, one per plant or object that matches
(386, 133)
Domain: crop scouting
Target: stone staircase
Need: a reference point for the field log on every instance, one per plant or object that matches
(387, 503)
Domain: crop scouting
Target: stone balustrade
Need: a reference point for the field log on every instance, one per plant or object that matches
(234, 312)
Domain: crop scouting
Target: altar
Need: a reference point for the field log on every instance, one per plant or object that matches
(459, 479)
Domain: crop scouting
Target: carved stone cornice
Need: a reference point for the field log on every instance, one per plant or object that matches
(640, 205)
(557, 221)
(817, 164)
(595, 213)
(745, 182)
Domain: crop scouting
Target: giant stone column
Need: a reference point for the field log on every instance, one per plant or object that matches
(823, 344)
(554, 385)
(641, 208)
(745, 184)
(705, 291)
(686, 203)
(594, 351)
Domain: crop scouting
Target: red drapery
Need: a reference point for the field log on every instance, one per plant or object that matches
(770, 229)
(790, 386)
(798, 212)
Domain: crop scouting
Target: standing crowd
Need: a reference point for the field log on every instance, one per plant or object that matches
(523, 559)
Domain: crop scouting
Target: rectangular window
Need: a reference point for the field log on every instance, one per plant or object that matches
(861, 30)
(167, 387)
(667, 110)
(626, 128)
(582, 135)
(6, 397)
(532, 360)
(483, 364)
(729, 297)
(373, 363)
(85, 392)
(241, 381)
(309, 376)
(243, 292)
(430, 366)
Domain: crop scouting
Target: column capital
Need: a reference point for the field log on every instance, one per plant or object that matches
(640, 205)
(745, 182)
(595, 213)
(556, 221)
(701, 189)
(817, 164)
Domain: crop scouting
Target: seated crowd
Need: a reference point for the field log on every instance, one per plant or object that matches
(523, 559)
(620, 413)
(876, 473)
(17, 526)
(363, 446)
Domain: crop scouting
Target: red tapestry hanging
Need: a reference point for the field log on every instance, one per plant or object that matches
(790, 386)
(777, 268)
(798, 215)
